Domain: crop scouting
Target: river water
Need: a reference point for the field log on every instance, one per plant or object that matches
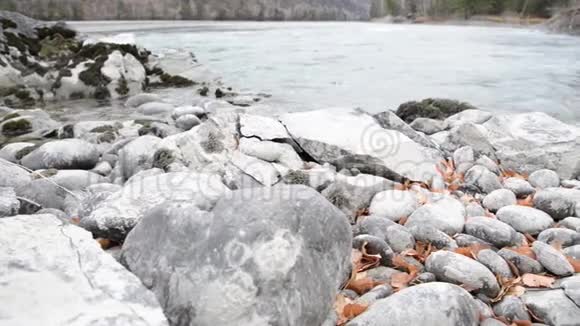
(375, 66)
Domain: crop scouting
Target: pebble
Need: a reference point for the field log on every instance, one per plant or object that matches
(554, 203)
(437, 238)
(544, 179)
(572, 252)
(572, 223)
(524, 263)
(482, 179)
(394, 204)
(525, 219)
(495, 263)
(491, 230)
(553, 260)
(444, 213)
(498, 199)
(512, 308)
(464, 158)
(560, 236)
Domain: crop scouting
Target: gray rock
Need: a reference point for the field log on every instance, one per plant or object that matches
(186, 110)
(572, 223)
(137, 155)
(525, 219)
(63, 154)
(553, 307)
(482, 180)
(491, 322)
(374, 246)
(520, 187)
(531, 141)
(564, 237)
(495, 263)
(354, 132)
(10, 151)
(466, 240)
(351, 194)
(444, 213)
(524, 264)
(474, 209)
(555, 203)
(573, 252)
(56, 212)
(498, 199)
(246, 261)
(399, 238)
(566, 195)
(455, 268)
(271, 152)
(115, 217)
(512, 308)
(187, 121)
(489, 164)
(544, 179)
(552, 259)
(9, 204)
(421, 305)
(468, 116)
(389, 120)
(382, 274)
(103, 168)
(140, 99)
(49, 262)
(154, 108)
(426, 277)
(394, 204)
(571, 286)
(429, 234)
(468, 134)
(428, 126)
(574, 184)
(464, 159)
(491, 230)
(377, 293)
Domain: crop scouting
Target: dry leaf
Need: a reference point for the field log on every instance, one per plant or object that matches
(529, 238)
(105, 243)
(402, 280)
(506, 285)
(400, 262)
(403, 220)
(362, 285)
(513, 174)
(575, 263)
(352, 310)
(528, 201)
(521, 323)
(537, 281)
(471, 251)
(516, 291)
(75, 220)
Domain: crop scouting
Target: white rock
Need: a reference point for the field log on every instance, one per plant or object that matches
(525, 219)
(544, 179)
(140, 99)
(62, 154)
(123, 69)
(498, 199)
(264, 128)
(468, 116)
(271, 152)
(9, 151)
(444, 213)
(9, 204)
(137, 155)
(394, 204)
(70, 280)
(188, 109)
(12, 175)
(153, 108)
(264, 172)
(187, 121)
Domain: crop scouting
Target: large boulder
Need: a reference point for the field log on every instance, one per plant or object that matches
(331, 135)
(531, 141)
(115, 217)
(246, 261)
(63, 154)
(422, 305)
(63, 272)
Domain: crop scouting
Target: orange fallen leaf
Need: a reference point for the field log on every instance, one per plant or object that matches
(402, 280)
(352, 310)
(575, 264)
(105, 243)
(471, 251)
(521, 323)
(362, 285)
(75, 220)
(528, 201)
(403, 220)
(507, 286)
(513, 174)
(400, 262)
(537, 281)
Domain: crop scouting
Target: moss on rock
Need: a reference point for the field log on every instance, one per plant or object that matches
(7, 23)
(10, 116)
(16, 127)
(123, 88)
(162, 158)
(431, 108)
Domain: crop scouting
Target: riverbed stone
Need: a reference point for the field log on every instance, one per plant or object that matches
(482, 180)
(9, 204)
(512, 308)
(63, 154)
(188, 109)
(495, 263)
(554, 203)
(421, 305)
(466, 240)
(394, 204)
(137, 155)
(444, 213)
(544, 178)
(552, 306)
(464, 159)
(560, 236)
(276, 241)
(498, 199)
(571, 286)
(187, 121)
(474, 209)
(572, 223)
(525, 219)
(429, 234)
(154, 108)
(491, 230)
(553, 260)
(520, 187)
(329, 135)
(115, 217)
(455, 268)
(10, 152)
(273, 152)
(71, 281)
(137, 100)
(524, 263)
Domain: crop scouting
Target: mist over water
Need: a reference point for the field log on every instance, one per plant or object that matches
(307, 66)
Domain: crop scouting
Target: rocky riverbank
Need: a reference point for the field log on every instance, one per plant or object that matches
(209, 214)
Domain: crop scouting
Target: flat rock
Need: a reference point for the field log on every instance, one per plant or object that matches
(553, 260)
(421, 305)
(63, 154)
(327, 135)
(246, 261)
(553, 307)
(528, 142)
(70, 280)
(451, 267)
(443, 213)
(491, 230)
(115, 217)
(525, 219)
(273, 152)
(394, 204)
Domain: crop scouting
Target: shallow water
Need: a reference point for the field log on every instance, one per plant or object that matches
(377, 66)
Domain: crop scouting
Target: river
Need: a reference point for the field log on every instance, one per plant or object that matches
(375, 66)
